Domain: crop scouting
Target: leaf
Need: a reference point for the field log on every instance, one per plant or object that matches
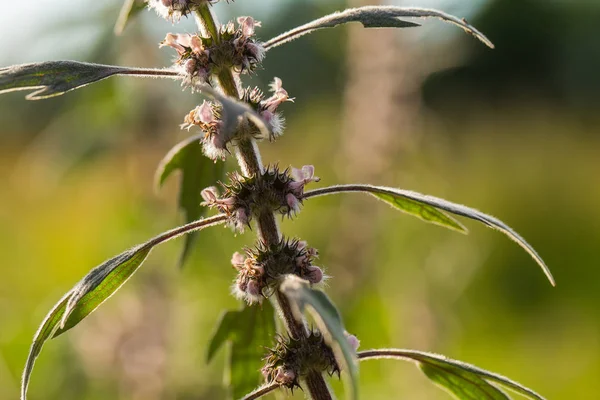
(375, 17)
(197, 173)
(129, 10)
(329, 322)
(464, 385)
(464, 380)
(423, 211)
(249, 331)
(54, 78)
(101, 283)
(386, 193)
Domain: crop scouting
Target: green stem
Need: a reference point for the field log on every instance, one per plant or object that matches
(207, 22)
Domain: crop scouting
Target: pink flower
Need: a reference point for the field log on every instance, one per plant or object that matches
(209, 195)
(285, 376)
(247, 25)
(176, 41)
(293, 203)
(204, 113)
(314, 274)
(238, 260)
(352, 341)
(280, 95)
(300, 178)
(253, 289)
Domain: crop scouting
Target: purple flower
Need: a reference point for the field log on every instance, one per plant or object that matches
(284, 376)
(293, 203)
(247, 25)
(352, 341)
(314, 274)
(238, 260)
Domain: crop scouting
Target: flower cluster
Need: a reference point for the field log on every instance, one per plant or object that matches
(200, 57)
(293, 358)
(273, 191)
(267, 107)
(207, 117)
(262, 267)
(173, 10)
(239, 49)
(193, 59)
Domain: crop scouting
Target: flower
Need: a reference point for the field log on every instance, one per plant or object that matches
(285, 376)
(313, 274)
(193, 58)
(206, 117)
(352, 341)
(173, 10)
(300, 178)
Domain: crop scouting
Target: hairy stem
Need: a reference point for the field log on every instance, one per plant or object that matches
(296, 329)
(207, 22)
(261, 391)
(249, 159)
(317, 387)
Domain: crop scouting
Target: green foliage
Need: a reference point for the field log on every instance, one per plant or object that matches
(422, 211)
(399, 198)
(249, 332)
(465, 381)
(97, 286)
(197, 172)
(53, 78)
(375, 17)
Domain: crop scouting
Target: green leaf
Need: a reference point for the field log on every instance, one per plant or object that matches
(462, 384)
(129, 10)
(423, 211)
(249, 331)
(97, 286)
(54, 78)
(375, 17)
(390, 194)
(464, 380)
(197, 173)
(329, 322)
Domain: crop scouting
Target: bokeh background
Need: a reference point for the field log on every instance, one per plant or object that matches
(513, 132)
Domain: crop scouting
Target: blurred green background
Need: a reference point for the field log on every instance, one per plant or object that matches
(513, 132)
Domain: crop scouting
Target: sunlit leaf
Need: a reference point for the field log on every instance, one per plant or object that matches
(375, 17)
(53, 78)
(462, 384)
(197, 173)
(423, 211)
(101, 283)
(249, 331)
(129, 10)
(464, 380)
(387, 194)
(329, 322)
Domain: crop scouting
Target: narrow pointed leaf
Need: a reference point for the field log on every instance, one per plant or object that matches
(101, 283)
(464, 380)
(375, 17)
(462, 384)
(53, 78)
(197, 173)
(391, 194)
(329, 322)
(249, 332)
(129, 10)
(423, 211)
